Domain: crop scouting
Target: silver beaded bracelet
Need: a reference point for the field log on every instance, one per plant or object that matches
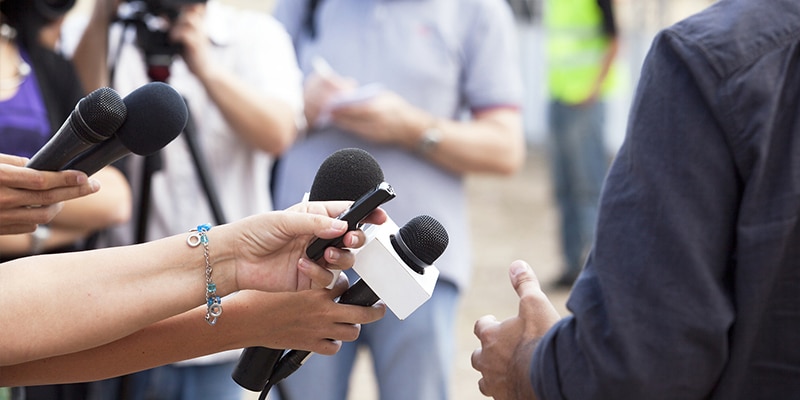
(213, 302)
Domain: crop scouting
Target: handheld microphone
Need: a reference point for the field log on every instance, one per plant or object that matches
(156, 115)
(347, 174)
(336, 180)
(395, 267)
(95, 118)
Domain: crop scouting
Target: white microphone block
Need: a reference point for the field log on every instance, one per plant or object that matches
(382, 269)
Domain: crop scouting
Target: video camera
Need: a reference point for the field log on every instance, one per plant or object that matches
(153, 19)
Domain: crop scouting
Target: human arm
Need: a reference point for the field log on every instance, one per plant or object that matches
(610, 30)
(301, 320)
(91, 54)
(492, 142)
(94, 297)
(108, 207)
(606, 63)
(80, 217)
(263, 121)
(504, 357)
(483, 77)
(29, 197)
(652, 312)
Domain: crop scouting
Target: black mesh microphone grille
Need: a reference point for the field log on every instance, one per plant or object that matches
(425, 237)
(102, 112)
(157, 114)
(346, 174)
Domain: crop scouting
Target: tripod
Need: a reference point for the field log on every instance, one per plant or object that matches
(154, 162)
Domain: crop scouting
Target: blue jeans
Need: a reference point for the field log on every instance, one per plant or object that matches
(578, 164)
(413, 358)
(171, 382)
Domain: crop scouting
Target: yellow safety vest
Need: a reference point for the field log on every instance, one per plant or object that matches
(576, 45)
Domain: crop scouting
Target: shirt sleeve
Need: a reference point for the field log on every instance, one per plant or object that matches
(492, 75)
(652, 311)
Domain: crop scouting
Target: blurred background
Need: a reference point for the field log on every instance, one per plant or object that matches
(514, 217)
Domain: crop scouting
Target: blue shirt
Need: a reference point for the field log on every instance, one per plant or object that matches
(448, 57)
(693, 289)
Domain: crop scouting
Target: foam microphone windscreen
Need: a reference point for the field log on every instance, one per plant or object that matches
(346, 174)
(157, 113)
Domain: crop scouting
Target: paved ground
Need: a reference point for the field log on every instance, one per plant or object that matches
(512, 218)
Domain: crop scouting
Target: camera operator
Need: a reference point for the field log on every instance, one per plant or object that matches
(238, 72)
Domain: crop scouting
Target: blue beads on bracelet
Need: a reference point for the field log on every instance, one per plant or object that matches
(213, 302)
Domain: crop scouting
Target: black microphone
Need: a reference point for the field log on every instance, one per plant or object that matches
(347, 174)
(95, 118)
(416, 245)
(156, 115)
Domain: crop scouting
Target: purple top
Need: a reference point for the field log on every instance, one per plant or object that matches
(24, 127)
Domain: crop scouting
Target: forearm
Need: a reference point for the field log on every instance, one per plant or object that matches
(110, 206)
(490, 143)
(99, 296)
(91, 54)
(80, 217)
(22, 244)
(264, 122)
(605, 67)
(182, 337)
(302, 320)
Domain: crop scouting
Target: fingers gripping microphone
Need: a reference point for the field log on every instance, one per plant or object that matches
(95, 119)
(156, 115)
(347, 174)
(395, 267)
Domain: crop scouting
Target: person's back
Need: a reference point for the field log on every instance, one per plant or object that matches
(692, 289)
(753, 50)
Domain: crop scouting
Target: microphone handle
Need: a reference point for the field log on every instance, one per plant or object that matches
(60, 149)
(353, 215)
(99, 156)
(249, 372)
(359, 294)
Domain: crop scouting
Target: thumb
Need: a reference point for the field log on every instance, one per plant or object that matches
(534, 306)
(523, 279)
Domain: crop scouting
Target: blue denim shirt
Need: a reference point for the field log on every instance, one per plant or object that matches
(693, 288)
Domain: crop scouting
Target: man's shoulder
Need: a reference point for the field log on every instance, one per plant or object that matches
(734, 33)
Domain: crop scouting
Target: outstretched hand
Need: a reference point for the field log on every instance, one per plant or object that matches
(308, 320)
(269, 247)
(507, 347)
(29, 197)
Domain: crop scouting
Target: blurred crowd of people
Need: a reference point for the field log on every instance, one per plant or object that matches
(262, 94)
(433, 89)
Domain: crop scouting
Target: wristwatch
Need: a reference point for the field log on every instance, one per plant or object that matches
(38, 237)
(430, 140)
